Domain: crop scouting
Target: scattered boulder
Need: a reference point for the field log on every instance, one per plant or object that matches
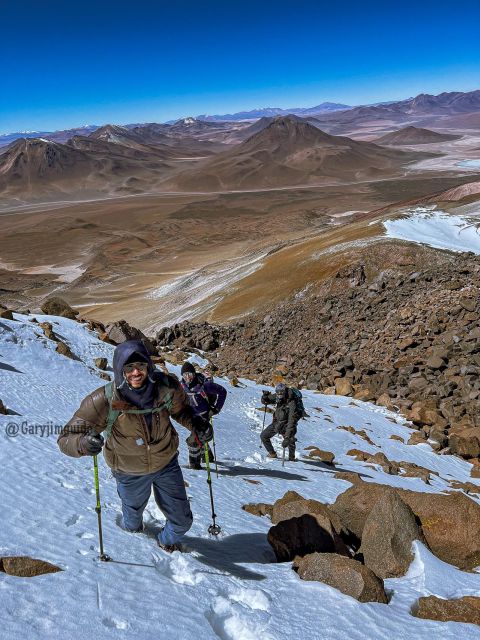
(388, 534)
(101, 363)
(26, 567)
(343, 387)
(3, 409)
(6, 314)
(58, 307)
(64, 350)
(47, 329)
(318, 454)
(121, 331)
(345, 574)
(258, 509)
(465, 442)
(466, 609)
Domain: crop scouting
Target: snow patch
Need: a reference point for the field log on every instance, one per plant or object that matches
(436, 229)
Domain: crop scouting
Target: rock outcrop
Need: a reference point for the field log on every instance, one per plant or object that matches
(345, 574)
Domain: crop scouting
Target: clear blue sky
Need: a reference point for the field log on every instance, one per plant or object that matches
(67, 63)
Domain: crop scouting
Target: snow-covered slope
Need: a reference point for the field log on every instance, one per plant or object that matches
(227, 588)
(427, 225)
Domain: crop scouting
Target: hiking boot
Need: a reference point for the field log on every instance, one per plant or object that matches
(195, 465)
(292, 459)
(169, 548)
(272, 454)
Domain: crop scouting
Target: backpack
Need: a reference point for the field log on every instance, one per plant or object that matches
(300, 409)
(114, 413)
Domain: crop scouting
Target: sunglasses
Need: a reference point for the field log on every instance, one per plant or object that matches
(141, 366)
(188, 376)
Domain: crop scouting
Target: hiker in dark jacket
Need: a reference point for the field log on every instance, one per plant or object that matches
(142, 448)
(206, 399)
(285, 420)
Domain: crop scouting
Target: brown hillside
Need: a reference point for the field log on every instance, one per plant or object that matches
(290, 151)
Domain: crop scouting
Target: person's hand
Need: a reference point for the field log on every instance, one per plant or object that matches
(91, 443)
(285, 442)
(203, 430)
(212, 412)
(264, 399)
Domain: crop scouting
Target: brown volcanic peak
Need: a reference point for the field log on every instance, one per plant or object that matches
(448, 102)
(414, 135)
(290, 151)
(29, 159)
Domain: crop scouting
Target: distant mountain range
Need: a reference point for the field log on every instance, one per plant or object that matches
(336, 117)
(274, 111)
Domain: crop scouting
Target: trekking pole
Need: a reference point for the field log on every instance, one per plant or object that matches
(98, 508)
(283, 457)
(214, 447)
(264, 416)
(214, 528)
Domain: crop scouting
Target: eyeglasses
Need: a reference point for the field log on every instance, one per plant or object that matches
(130, 368)
(188, 376)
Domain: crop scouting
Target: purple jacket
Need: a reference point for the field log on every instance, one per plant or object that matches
(204, 395)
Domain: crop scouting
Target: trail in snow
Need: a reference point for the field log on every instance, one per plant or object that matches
(227, 588)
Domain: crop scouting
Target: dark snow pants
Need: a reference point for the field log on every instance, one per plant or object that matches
(170, 496)
(195, 453)
(272, 430)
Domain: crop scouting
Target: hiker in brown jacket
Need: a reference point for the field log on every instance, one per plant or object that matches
(142, 446)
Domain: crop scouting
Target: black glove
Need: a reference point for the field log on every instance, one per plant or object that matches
(265, 397)
(91, 443)
(285, 442)
(212, 412)
(203, 430)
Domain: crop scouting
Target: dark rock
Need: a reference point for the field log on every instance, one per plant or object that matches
(58, 307)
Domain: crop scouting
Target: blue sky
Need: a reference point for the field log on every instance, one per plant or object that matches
(67, 63)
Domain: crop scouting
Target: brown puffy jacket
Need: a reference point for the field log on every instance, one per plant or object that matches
(131, 448)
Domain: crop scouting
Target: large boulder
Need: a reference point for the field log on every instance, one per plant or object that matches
(388, 534)
(121, 331)
(294, 507)
(26, 567)
(58, 307)
(465, 442)
(466, 609)
(300, 536)
(450, 523)
(345, 574)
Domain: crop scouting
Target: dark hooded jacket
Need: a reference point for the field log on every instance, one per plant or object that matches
(133, 447)
(286, 416)
(204, 395)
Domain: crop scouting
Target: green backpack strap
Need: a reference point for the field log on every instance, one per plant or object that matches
(112, 413)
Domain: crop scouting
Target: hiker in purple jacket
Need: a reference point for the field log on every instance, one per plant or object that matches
(206, 399)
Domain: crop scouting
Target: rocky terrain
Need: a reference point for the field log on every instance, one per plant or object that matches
(405, 337)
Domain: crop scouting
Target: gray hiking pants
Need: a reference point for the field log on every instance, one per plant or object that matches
(268, 434)
(169, 493)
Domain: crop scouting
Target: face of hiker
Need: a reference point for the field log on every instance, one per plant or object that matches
(188, 377)
(136, 374)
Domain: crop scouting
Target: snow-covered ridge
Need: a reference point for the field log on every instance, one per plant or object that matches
(227, 588)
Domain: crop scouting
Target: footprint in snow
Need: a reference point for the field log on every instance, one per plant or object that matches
(85, 535)
(243, 613)
(178, 568)
(72, 520)
(115, 623)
